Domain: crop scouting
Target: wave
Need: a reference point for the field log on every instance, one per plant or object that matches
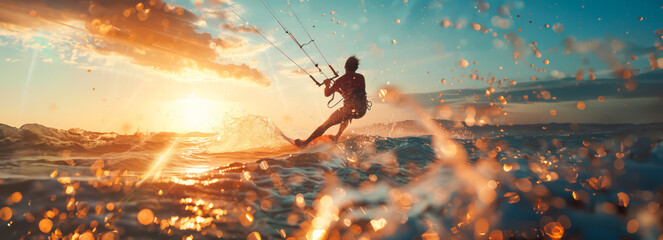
(31, 138)
(247, 133)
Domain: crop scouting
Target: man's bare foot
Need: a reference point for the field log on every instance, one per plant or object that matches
(299, 143)
(334, 138)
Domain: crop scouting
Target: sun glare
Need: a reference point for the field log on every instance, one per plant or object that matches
(195, 114)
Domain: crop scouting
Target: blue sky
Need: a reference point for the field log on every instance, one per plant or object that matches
(160, 81)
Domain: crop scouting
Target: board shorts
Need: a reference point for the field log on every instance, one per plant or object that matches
(352, 109)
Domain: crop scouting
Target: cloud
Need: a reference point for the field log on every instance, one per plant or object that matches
(500, 22)
(375, 50)
(150, 33)
(237, 28)
(563, 92)
(216, 14)
(498, 43)
(296, 73)
(558, 28)
(504, 11)
(557, 74)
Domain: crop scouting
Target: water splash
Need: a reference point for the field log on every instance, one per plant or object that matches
(248, 132)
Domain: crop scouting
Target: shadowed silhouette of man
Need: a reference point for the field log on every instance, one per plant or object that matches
(352, 87)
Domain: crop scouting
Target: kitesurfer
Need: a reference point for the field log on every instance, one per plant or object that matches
(352, 87)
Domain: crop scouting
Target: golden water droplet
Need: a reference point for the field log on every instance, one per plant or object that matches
(293, 218)
(393, 41)
(463, 63)
(512, 197)
(265, 204)
(6, 213)
(476, 26)
(86, 236)
(143, 15)
(580, 105)
(481, 227)
(382, 93)
(446, 23)
(326, 201)
(45, 225)
(554, 230)
(69, 190)
(546, 62)
(601, 98)
(145, 216)
(373, 177)
(127, 12)
(264, 165)
(398, 20)
(378, 224)
(110, 236)
(496, 235)
(524, 185)
(246, 220)
(626, 74)
(632, 226)
(15, 198)
(253, 236)
(623, 199)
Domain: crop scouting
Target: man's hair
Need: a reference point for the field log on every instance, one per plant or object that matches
(352, 64)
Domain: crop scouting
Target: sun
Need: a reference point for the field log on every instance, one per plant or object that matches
(196, 114)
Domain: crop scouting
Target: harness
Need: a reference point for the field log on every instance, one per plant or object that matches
(357, 94)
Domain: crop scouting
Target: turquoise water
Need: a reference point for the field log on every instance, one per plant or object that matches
(517, 182)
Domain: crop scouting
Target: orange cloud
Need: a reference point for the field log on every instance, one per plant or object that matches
(151, 33)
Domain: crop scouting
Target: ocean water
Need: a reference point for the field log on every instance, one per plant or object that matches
(546, 181)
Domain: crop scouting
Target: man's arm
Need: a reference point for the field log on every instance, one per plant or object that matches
(330, 90)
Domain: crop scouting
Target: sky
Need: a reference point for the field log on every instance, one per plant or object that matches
(182, 66)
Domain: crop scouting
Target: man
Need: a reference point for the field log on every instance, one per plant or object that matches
(353, 89)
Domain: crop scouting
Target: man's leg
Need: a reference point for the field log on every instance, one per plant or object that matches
(337, 117)
(341, 128)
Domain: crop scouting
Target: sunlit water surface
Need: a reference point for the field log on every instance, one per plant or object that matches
(518, 182)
